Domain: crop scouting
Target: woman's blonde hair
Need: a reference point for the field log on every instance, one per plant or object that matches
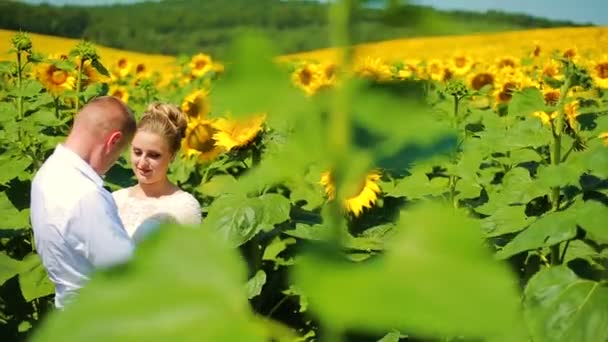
(165, 120)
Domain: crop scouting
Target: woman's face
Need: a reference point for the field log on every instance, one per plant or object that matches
(150, 157)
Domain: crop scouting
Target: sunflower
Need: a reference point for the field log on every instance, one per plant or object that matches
(481, 79)
(506, 62)
(196, 104)
(604, 137)
(123, 68)
(119, 92)
(374, 68)
(55, 80)
(551, 96)
(537, 49)
(90, 73)
(504, 91)
(141, 71)
(571, 54)
(200, 64)
(460, 64)
(553, 69)
(365, 198)
(571, 111)
(599, 72)
(232, 134)
(435, 70)
(199, 140)
(307, 78)
(545, 117)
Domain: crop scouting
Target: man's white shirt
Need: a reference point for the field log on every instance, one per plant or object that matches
(76, 224)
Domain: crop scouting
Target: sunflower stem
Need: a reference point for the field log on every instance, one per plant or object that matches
(339, 134)
(556, 150)
(19, 85)
(79, 84)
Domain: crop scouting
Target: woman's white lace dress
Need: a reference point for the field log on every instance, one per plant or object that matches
(141, 216)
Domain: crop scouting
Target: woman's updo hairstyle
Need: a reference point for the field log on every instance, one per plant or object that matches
(165, 120)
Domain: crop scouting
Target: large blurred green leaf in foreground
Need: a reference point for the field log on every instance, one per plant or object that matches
(183, 285)
(436, 279)
(560, 306)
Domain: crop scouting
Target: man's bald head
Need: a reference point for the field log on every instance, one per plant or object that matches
(101, 131)
(104, 115)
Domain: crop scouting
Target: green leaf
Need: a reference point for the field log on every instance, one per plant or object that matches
(30, 88)
(255, 284)
(11, 217)
(392, 336)
(548, 230)
(418, 185)
(12, 167)
(519, 188)
(467, 189)
(559, 306)
(578, 249)
(558, 175)
(525, 102)
(202, 282)
(239, 218)
(505, 220)
(426, 282)
(9, 267)
(277, 245)
(33, 279)
(217, 185)
(592, 216)
(315, 232)
(45, 117)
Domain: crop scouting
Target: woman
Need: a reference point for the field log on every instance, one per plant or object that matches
(154, 199)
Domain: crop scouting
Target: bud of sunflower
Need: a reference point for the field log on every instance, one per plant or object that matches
(456, 88)
(85, 51)
(21, 43)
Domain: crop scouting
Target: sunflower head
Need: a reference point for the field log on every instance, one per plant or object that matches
(200, 64)
(506, 62)
(551, 96)
(571, 111)
(481, 79)
(599, 72)
(545, 117)
(604, 137)
(90, 74)
(123, 68)
(460, 64)
(553, 69)
(199, 140)
(365, 197)
(232, 134)
(196, 104)
(119, 92)
(54, 79)
(373, 68)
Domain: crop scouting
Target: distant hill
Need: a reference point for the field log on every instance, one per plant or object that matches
(188, 26)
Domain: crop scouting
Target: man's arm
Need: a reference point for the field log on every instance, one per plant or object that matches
(101, 231)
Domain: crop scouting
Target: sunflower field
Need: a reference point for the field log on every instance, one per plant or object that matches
(351, 198)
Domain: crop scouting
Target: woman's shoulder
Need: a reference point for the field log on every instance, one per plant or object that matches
(186, 198)
(121, 194)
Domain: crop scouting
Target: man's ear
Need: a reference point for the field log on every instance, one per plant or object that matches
(114, 140)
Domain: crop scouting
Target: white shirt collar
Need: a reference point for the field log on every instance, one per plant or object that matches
(76, 161)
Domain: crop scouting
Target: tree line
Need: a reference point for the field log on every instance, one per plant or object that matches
(186, 26)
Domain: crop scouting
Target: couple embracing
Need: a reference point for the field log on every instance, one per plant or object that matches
(78, 225)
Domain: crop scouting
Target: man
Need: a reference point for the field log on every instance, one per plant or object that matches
(75, 220)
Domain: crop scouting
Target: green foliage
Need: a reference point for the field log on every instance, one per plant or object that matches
(466, 199)
(560, 306)
(186, 26)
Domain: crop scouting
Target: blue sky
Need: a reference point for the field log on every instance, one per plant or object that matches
(594, 11)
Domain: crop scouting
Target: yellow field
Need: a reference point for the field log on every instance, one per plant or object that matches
(592, 41)
(109, 56)
(588, 41)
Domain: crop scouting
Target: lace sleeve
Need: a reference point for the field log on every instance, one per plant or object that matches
(189, 210)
